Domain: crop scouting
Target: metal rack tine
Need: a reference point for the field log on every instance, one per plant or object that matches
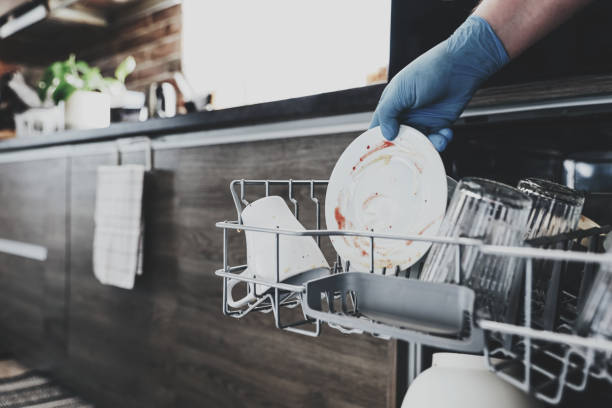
(296, 209)
(317, 210)
(242, 192)
(371, 254)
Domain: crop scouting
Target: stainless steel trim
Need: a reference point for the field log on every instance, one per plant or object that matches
(23, 249)
(538, 105)
(354, 122)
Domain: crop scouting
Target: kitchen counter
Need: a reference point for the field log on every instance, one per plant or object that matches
(556, 99)
(327, 104)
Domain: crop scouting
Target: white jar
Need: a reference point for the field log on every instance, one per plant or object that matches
(87, 110)
(463, 381)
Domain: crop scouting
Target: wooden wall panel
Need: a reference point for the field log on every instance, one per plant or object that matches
(166, 343)
(153, 40)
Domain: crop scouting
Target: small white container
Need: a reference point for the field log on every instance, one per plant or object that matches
(88, 110)
(38, 121)
(463, 381)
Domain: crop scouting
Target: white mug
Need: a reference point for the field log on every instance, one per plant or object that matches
(297, 254)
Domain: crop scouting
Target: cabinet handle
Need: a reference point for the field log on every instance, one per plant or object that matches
(23, 249)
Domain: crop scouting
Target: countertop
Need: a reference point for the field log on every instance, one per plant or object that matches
(557, 99)
(326, 104)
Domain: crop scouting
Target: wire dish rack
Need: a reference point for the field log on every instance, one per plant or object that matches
(543, 360)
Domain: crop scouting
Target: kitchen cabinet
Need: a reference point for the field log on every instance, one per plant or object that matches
(166, 343)
(33, 293)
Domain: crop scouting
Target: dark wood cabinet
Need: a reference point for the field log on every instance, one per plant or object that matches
(33, 293)
(166, 343)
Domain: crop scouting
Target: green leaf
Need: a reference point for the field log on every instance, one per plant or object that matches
(63, 91)
(62, 78)
(92, 80)
(125, 68)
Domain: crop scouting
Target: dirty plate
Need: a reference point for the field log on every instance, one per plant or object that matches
(391, 187)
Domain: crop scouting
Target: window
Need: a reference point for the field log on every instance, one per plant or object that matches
(251, 51)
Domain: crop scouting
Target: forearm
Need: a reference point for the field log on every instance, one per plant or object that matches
(520, 23)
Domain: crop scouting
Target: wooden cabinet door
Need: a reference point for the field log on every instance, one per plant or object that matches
(33, 293)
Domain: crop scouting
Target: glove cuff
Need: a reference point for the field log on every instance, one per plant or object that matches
(478, 48)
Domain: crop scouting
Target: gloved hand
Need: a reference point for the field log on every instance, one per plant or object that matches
(431, 92)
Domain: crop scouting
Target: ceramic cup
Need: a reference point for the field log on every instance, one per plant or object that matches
(463, 381)
(299, 256)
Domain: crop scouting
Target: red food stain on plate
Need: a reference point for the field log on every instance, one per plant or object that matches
(383, 145)
(428, 226)
(339, 218)
(363, 252)
(366, 202)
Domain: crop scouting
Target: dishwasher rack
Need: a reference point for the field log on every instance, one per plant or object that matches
(542, 362)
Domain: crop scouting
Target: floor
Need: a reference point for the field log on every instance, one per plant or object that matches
(22, 387)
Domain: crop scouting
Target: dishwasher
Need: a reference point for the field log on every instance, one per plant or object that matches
(556, 362)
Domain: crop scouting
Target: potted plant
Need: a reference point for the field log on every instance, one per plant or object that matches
(86, 93)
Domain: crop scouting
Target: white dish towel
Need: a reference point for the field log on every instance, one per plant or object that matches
(118, 235)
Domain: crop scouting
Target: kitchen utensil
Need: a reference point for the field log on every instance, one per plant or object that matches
(162, 100)
(496, 214)
(386, 186)
(463, 381)
(427, 313)
(297, 255)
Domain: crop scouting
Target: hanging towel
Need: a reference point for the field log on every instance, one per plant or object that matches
(118, 235)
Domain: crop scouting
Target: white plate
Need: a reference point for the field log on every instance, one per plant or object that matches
(396, 187)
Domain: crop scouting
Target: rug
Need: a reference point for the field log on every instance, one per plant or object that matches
(22, 387)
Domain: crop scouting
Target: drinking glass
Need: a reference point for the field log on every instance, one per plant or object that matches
(556, 210)
(595, 318)
(496, 214)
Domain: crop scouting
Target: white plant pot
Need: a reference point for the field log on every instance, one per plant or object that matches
(87, 110)
(463, 381)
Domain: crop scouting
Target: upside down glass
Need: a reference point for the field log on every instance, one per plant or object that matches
(595, 318)
(496, 214)
(556, 210)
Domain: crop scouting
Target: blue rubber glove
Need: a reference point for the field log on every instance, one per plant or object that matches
(431, 92)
